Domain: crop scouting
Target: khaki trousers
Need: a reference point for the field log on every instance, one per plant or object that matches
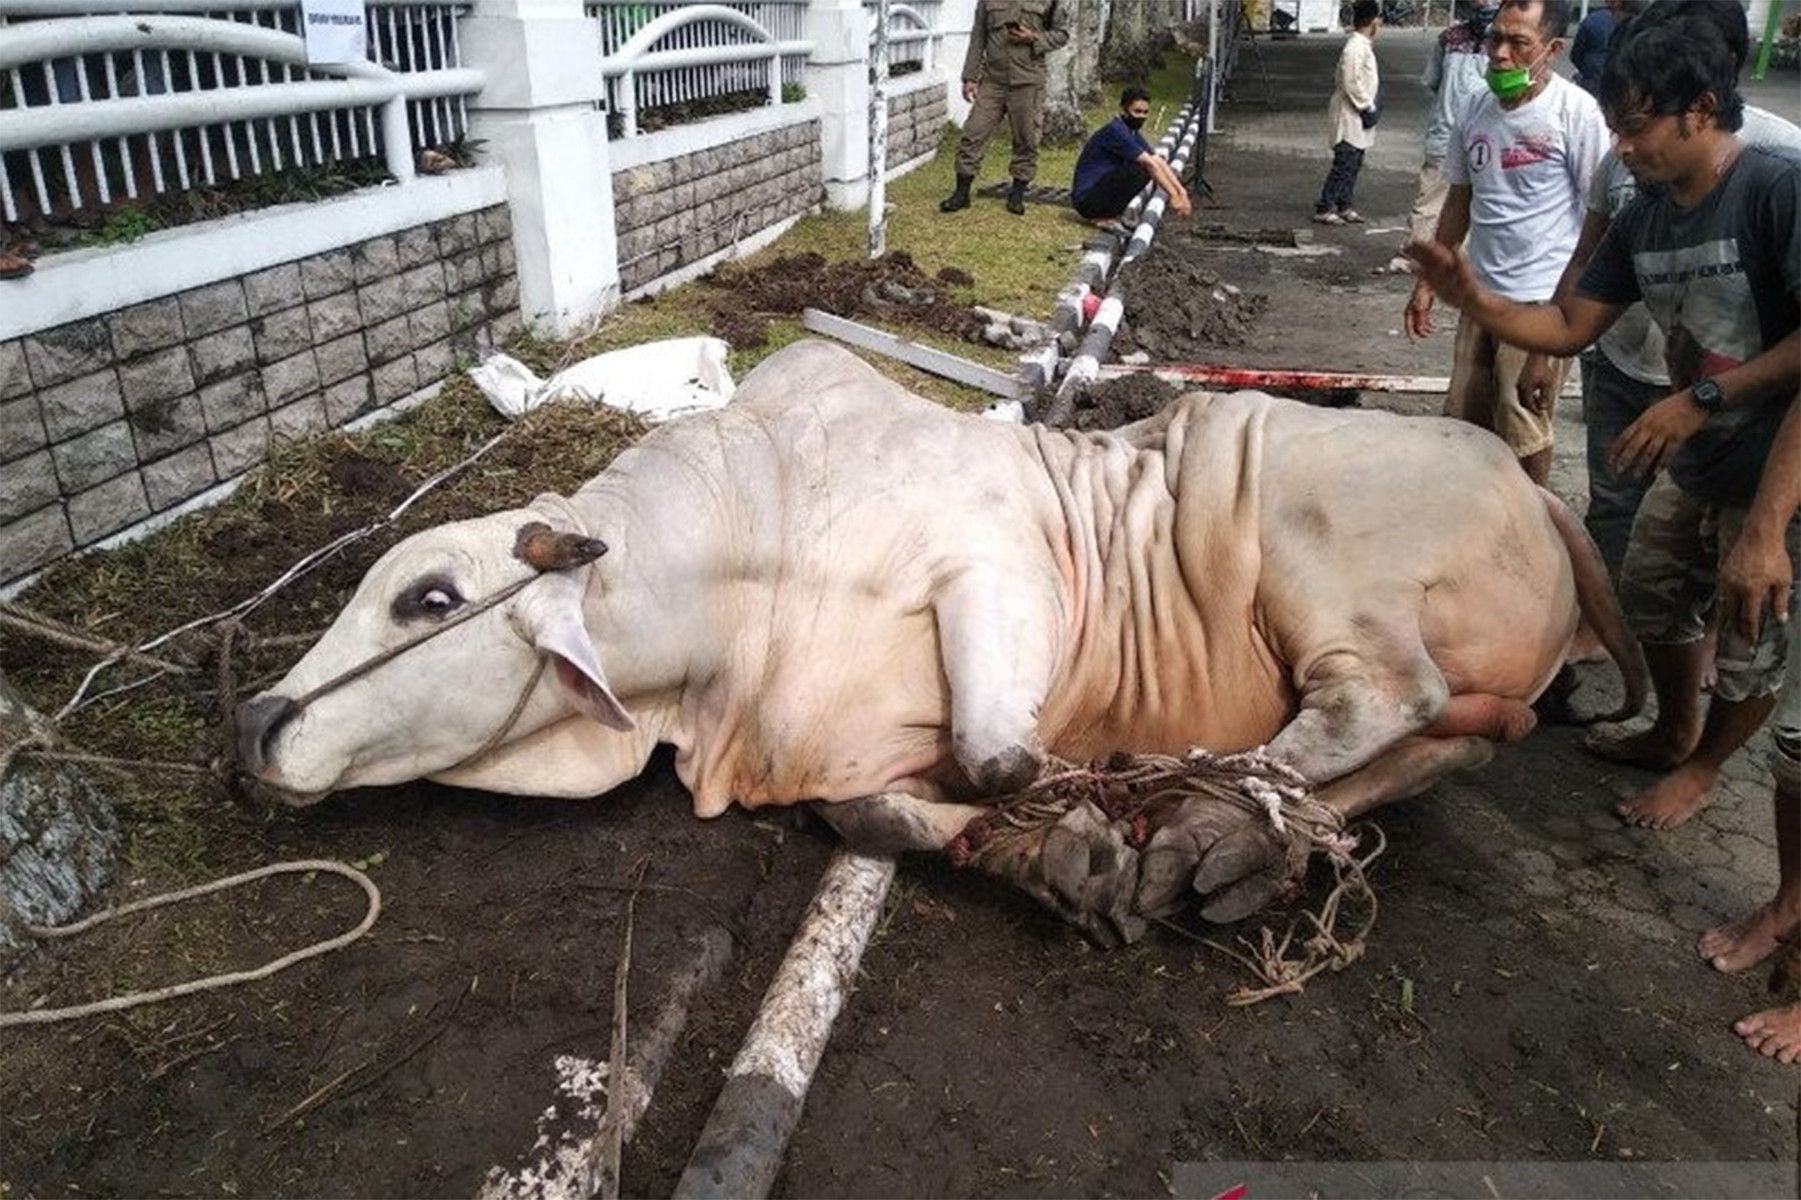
(1023, 107)
(1484, 372)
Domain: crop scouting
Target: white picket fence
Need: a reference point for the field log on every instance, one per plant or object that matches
(96, 104)
(679, 57)
(914, 34)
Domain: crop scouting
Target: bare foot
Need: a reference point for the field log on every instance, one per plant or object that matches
(1654, 748)
(1671, 800)
(1774, 1032)
(1742, 944)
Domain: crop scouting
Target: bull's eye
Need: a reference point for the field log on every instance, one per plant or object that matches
(437, 602)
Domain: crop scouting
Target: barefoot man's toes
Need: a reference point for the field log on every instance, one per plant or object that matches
(1671, 800)
(1774, 1032)
(1742, 944)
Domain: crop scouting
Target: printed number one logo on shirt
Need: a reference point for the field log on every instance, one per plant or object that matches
(1479, 153)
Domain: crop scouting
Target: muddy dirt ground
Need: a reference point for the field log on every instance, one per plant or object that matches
(1529, 995)
(892, 288)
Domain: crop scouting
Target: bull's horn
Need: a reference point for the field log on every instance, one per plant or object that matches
(542, 548)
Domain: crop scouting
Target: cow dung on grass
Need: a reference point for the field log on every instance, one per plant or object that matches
(834, 591)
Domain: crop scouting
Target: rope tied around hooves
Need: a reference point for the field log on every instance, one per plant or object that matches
(1134, 790)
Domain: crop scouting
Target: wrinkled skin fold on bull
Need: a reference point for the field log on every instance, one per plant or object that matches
(833, 590)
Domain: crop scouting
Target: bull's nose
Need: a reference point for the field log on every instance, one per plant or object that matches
(258, 722)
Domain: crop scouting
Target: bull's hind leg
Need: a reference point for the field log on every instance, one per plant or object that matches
(1405, 769)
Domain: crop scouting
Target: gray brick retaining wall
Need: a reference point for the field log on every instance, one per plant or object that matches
(109, 420)
(682, 209)
(915, 124)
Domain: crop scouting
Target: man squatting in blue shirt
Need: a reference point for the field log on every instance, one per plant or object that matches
(1117, 162)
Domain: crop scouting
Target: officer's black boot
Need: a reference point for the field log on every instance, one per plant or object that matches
(1016, 198)
(959, 197)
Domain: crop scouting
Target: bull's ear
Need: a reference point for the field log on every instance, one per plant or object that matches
(550, 615)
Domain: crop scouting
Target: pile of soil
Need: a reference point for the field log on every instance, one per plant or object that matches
(1115, 402)
(1176, 308)
(892, 289)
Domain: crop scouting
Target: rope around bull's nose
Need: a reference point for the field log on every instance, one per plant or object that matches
(45, 1016)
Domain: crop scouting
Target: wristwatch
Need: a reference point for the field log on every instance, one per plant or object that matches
(1709, 395)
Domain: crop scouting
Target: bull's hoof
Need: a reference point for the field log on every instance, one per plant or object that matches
(1012, 770)
(1092, 873)
(1215, 850)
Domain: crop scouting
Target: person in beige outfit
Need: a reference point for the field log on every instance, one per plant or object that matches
(1353, 114)
(1003, 76)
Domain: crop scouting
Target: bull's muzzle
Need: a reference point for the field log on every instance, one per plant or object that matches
(259, 720)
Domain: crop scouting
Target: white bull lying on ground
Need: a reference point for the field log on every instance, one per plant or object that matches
(833, 590)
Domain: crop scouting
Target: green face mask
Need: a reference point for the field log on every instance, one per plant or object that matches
(1512, 83)
(1509, 84)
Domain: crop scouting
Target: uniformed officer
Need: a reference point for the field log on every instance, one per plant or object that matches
(1003, 75)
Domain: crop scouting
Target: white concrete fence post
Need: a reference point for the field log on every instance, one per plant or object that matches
(538, 118)
(955, 18)
(838, 75)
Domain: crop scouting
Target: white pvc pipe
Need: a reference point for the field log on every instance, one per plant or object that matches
(615, 66)
(689, 14)
(740, 1150)
(51, 125)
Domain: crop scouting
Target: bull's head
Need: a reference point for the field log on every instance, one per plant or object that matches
(459, 681)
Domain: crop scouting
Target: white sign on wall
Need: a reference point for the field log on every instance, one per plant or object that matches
(335, 31)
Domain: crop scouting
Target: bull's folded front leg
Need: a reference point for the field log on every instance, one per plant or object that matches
(1405, 769)
(997, 633)
(895, 823)
(1081, 866)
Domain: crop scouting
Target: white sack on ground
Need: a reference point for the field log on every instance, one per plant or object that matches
(657, 380)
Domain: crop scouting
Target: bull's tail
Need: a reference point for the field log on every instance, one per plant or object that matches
(1601, 608)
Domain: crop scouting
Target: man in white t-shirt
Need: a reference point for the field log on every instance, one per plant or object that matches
(1520, 161)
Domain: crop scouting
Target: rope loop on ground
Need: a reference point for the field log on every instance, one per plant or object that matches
(45, 1016)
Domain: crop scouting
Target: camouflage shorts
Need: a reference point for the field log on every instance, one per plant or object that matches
(1667, 586)
(1785, 754)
